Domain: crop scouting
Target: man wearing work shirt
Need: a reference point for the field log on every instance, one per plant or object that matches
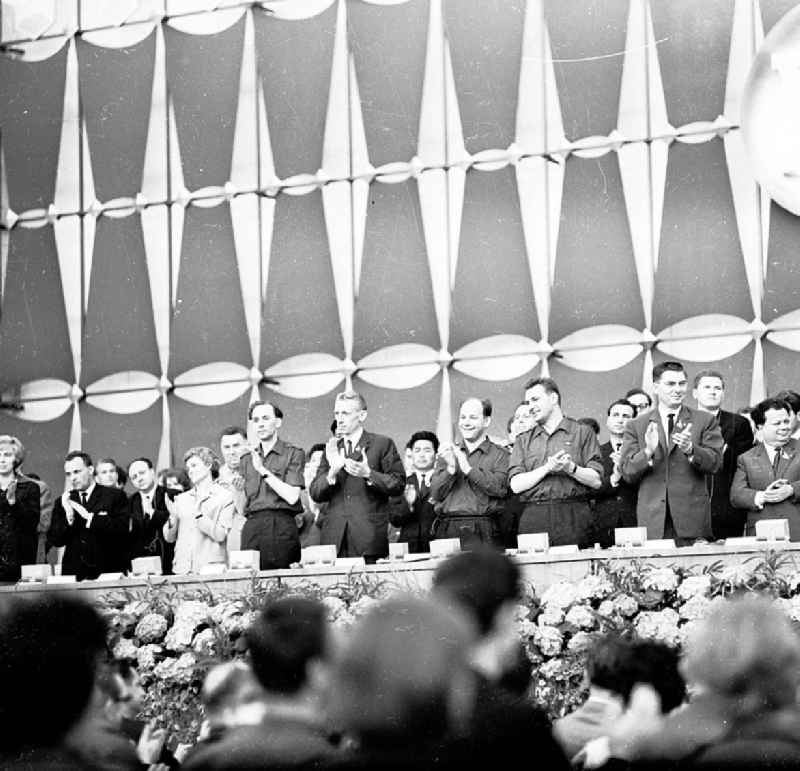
(468, 485)
(273, 479)
(554, 468)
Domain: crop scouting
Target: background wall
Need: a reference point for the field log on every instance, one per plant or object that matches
(424, 199)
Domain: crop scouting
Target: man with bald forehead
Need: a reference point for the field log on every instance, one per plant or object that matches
(469, 483)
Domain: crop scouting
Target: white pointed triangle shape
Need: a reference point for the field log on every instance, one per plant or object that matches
(246, 236)
(244, 159)
(67, 231)
(155, 229)
(336, 141)
(444, 421)
(165, 445)
(266, 169)
(75, 432)
(431, 138)
(432, 189)
(67, 195)
(361, 170)
(155, 170)
(4, 233)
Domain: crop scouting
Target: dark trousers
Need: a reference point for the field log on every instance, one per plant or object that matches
(565, 522)
(469, 529)
(273, 534)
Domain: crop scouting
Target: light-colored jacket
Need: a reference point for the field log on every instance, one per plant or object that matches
(200, 528)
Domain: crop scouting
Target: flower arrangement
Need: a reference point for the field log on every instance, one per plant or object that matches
(173, 637)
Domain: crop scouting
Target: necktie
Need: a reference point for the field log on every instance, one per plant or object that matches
(349, 448)
(670, 424)
(776, 459)
(83, 497)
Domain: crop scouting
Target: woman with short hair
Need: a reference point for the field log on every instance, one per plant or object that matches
(19, 511)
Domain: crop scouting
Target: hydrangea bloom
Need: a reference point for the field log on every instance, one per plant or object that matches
(549, 640)
(560, 595)
(551, 615)
(334, 606)
(135, 608)
(580, 616)
(192, 613)
(695, 607)
(695, 586)
(125, 649)
(594, 587)
(659, 625)
(626, 605)
(151, 628)
(550, 668)
(660, 579)
(224, 611)
(526, 628)
(606, 609)
(204, 642)
(581, 641)
(146, 656)
(179, 636)
(522, 612)
(736, 575)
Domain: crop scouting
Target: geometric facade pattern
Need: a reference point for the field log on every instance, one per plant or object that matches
(424, 199)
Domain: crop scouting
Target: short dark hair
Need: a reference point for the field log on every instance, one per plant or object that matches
(634, 391)
(318, 447)
(49, 644)
(486, 405)
(179, 474)
(622, 403)
(707, 373)
(592, 423)
(792, 397)
(278, 412)
(144, 460)
(618, 664)
(480, 581)
(84, 456)
(667, 366)
(284, 638)
(549, 385)
(759, 412)
(423, 436)
(233, 430)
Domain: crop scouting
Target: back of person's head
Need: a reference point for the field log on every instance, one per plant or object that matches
(618, 664)
(480, 581)
(792, 397)
(403, 674)
(49, 649)
(745, 652)
(284, 639)
(227, 690)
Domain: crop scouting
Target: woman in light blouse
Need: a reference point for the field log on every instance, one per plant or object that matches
(200, 518)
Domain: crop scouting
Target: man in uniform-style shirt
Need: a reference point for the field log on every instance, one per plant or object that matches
(273, 479)
(554, 468)
(469, 482)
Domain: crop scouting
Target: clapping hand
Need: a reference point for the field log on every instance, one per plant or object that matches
(66, 502)
(461, 459)
(151, 742)
(559, 462)
(258, 463)
(172, 507)
(778, 491)
(447, 454)
(651, 438)
(683, 439)
(334, 456)
(410, 495)
(358, 468)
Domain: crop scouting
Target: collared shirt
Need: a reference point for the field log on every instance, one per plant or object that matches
(664, 413)
(424, 478)
(534, 447)
(286, 462)
(353, 438)
(201, 528)
(479, 493)
(148, 506)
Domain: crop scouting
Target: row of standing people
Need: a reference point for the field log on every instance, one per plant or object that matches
(671, 468)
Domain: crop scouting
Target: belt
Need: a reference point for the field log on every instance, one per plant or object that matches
(462, 515)
(552, 501)
(267, 512)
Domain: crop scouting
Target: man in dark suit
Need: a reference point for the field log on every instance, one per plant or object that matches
(148, 513)
(709, 391)
(358, 474)
(414, 512)
(91, 521)
(767, 480)
(668, 451)
(615, 501)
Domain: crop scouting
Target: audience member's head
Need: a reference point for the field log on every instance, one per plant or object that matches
(792, 398)
(11, 447)
(592, 423)
(403, 675)
(423, 445)
(709, 390)
(474, 417)
(313, 459)
(350, 412)
(78, 470)
(120, 691)
(484, 584)
(231, 696)
(201, 464)
(746, 653)
(287, 637)
(618, 414)
(617, 665)
(773, 421)
(174, 479)
(49, 651)
(520, 422)
(142, 474)
(232, 444)
(640, 399)
(670, 384)
(544, 400)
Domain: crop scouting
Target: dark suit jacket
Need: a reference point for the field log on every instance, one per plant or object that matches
(100, 548)
(754, 473)
(614, 506)
(147, 533)
(18, 522)
(357, 511)
(672, 476)
(414, 521)
(726, 520)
